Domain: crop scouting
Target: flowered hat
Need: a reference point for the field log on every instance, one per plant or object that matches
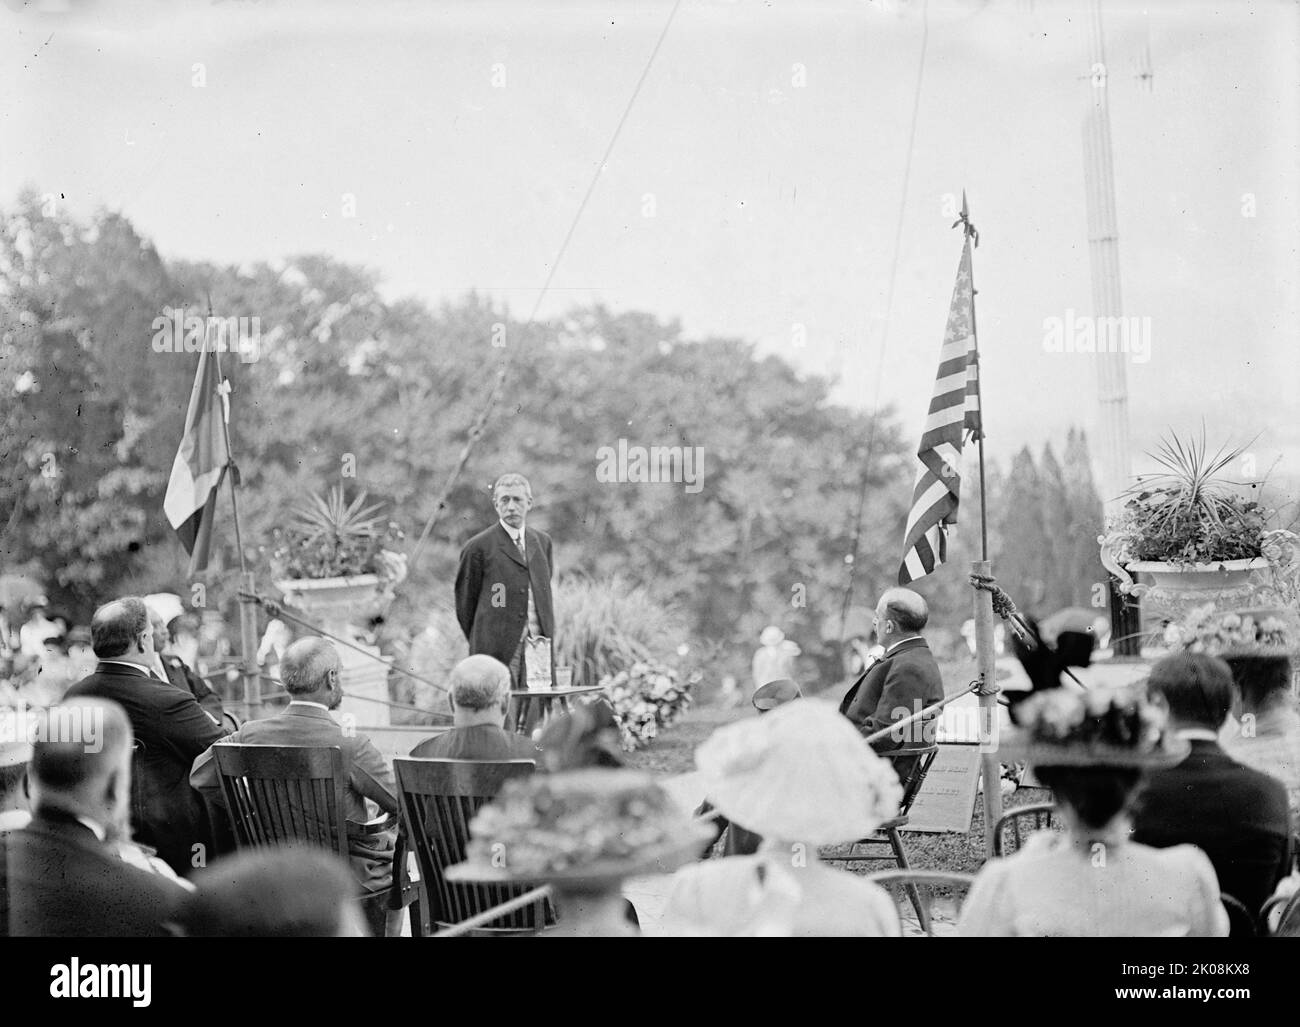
(580, 827)
(1258, 631)
(1102, 727)
(800, 773)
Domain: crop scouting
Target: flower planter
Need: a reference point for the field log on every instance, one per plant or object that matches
(1176, 588)
(333, 604)
(333, 600)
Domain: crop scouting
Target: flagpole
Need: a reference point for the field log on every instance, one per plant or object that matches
(985, 643)
(247, 606)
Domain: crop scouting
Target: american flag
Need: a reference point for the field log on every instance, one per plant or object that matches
(954, 409)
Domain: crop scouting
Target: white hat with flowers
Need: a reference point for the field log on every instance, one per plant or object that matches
(800, 773)
(1258, 631)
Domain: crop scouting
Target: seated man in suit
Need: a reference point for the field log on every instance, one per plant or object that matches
(480, 699)
(479, 689)
(1237, 815)
(903, 681)
(173, 669)
(310, 672)
(60, 876)
(170, 729)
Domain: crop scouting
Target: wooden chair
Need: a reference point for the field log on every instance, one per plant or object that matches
(294, 795)
(914, 882)
(1241, 921)
(439, 797)
(1288, 924)
(911, 763)
(1020, 823)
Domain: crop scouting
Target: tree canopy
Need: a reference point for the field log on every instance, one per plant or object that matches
(350, 388)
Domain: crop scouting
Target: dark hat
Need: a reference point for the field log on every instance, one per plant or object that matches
(775, 693)
(585, 737)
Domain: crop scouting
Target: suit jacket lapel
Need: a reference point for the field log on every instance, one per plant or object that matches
(852, 693)
(535, 554)
(507, 545)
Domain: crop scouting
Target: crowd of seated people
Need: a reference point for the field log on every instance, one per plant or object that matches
(1161, 822)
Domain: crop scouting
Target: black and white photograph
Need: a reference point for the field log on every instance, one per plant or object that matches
(677, 469)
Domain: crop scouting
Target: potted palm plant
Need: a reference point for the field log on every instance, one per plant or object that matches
(1188, 528)
(332, 562)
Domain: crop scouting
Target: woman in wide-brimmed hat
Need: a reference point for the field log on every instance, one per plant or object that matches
(801, 777)
(583, 832)
(1090, 880)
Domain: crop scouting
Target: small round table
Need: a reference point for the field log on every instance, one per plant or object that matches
(528, 708)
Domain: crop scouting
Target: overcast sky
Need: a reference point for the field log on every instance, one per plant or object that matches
(768, 141)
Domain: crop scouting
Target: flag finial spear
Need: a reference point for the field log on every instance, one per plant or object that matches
(968, 229)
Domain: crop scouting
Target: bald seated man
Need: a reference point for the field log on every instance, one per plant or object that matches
(310, 671)
(904, 680)
(480, 699)
(61, 876)
(170, 727)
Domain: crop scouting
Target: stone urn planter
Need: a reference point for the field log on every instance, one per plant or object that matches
(1177, 588)
(334, 605)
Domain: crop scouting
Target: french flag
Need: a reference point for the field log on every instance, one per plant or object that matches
(200, 465)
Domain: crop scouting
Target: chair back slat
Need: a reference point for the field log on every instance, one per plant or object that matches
(439, 798)
(1288, 925)
(1241, 922)
(920, 887)
(284, 794)
(1018, 824)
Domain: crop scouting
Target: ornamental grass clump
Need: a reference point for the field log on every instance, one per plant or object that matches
(1188, 513)
(328, 537)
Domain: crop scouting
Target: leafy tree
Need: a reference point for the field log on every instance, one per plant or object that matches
(1024, 542)
(349, 388)
(1056, 559)
(1085, 522)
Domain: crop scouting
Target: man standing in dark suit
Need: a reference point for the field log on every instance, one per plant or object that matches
(903, 681)
(1236, 815)
(60, 876)
(170, 728)
(503, 584)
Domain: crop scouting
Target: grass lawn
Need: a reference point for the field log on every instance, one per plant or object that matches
(674, 753)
